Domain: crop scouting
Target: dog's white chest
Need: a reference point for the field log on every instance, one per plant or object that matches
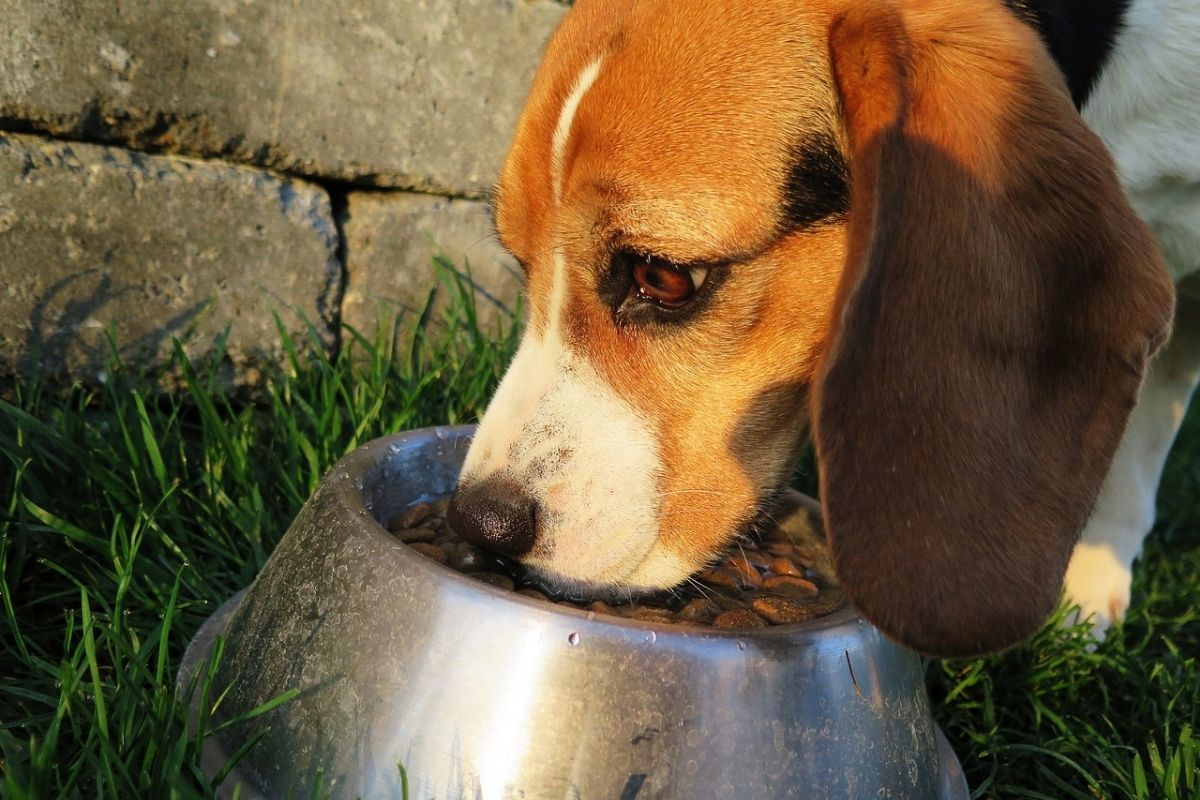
(1146, 108)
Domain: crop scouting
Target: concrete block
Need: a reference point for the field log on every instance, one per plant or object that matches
(391, 242)
(420, 94)
(99, 239)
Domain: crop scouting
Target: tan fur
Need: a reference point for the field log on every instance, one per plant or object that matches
(640, 175)
(682, 149)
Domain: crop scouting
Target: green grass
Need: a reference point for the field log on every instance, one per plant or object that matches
(127, 516)
(1053, 720)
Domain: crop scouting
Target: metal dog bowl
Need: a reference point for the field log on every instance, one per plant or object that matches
(408, 671)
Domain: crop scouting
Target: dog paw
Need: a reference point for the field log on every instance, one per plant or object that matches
(1097, 584)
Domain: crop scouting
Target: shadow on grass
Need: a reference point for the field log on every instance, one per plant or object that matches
(1058, 718)
(128, 515)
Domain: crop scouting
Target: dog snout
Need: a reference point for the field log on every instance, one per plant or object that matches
(497, 515)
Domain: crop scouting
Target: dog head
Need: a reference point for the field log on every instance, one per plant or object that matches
(744, 222)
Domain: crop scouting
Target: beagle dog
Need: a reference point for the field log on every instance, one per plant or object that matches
(895, 227)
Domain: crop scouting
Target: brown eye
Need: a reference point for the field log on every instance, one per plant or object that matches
(663, 282)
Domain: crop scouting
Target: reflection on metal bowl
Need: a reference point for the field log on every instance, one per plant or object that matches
(405, 670)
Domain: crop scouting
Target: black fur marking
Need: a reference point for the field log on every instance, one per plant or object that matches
(818, 186)
(616, 281)
(1080, 35)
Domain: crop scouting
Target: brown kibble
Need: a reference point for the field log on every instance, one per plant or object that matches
(415, 515)
(827, 603)
(720, 577)
(792, 585)
(414, 535)
(760, 561)
(780, 548)
(430, 551)
(497, 580)
(727, 603)
(745, 571)
(741, 618)
(465, 557)
(784, 566)
(699, 610)
(762, 583)
(651, 614)
(804, 557)
(780, 610)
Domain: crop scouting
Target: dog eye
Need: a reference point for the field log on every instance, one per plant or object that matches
(666, 284)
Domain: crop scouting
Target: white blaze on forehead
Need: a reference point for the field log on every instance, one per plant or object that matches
(581, 450)
(562, 131)
(539, 361)
(558, 149)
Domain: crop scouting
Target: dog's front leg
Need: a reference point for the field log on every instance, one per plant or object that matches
(1099, 575)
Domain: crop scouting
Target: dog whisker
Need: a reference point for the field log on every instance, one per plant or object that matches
(700, 588)
(741, 550)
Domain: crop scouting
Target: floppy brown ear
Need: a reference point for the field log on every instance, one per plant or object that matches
(998, 308)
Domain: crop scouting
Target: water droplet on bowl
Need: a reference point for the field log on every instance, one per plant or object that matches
(573, 639)
(741, 645)
(441, 433)
(651, 637)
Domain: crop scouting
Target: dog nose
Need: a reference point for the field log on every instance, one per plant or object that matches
(496, 515)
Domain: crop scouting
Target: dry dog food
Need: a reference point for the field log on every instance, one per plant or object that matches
(779, 576)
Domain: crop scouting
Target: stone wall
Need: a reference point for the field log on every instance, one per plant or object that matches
(180, 170)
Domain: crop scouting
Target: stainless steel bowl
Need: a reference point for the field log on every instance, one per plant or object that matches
(408, 671)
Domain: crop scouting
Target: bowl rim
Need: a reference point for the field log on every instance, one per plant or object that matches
(361, 461)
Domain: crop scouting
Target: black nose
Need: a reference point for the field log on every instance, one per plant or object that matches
(496, 515)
